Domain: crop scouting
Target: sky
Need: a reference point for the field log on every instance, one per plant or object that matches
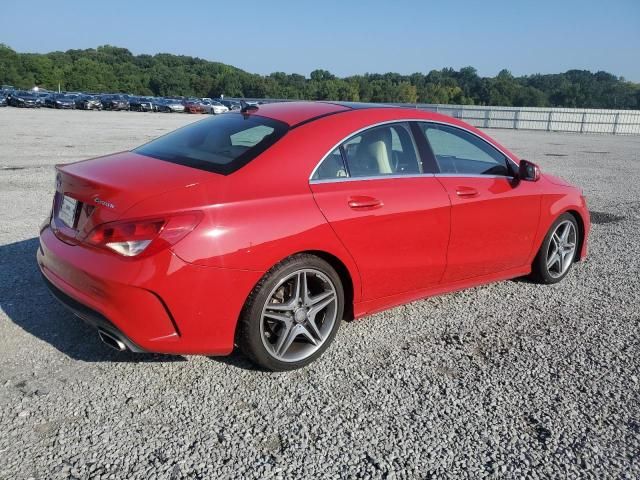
(345, 37)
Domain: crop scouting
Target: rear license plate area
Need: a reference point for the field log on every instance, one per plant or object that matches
(68, 211)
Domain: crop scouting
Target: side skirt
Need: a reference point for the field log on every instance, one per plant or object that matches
(369, 307)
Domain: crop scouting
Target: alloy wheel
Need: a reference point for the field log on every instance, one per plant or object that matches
(562, 248)
(299, 315)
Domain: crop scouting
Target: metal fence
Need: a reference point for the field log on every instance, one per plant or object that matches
(578, 120)
(617, 122)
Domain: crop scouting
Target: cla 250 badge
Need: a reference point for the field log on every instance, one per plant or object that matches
(104, 203)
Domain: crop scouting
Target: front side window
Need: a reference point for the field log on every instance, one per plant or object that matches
(458, 151)
(220, 144)
(379, 151)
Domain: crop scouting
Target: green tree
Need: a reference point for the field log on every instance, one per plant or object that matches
(111, 68)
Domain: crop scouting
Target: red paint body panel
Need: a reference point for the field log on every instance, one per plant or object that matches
(402, 244)
(421, 238)
(493, 230)
(128, 293)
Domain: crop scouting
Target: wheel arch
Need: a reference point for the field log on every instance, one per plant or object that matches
(581, 231)
(345, 277)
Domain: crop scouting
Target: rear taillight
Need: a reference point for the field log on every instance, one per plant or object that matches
(132, 238)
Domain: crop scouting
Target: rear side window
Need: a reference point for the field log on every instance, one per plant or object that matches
(332, 167)
(221, 144)
(378, 151)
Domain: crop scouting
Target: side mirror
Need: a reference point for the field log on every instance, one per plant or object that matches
(528, 171)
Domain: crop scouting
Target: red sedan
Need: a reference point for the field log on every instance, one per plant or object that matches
(193, 106)
(266, 227)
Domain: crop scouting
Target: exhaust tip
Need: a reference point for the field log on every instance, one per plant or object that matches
(111, 341)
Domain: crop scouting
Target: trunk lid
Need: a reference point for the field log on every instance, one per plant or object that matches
(102, 189)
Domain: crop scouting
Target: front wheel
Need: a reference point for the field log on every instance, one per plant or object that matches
(293, 314)
(558, 251)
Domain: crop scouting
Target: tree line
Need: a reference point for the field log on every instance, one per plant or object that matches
(113, 69)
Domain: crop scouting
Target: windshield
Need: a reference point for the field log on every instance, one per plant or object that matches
(220, 144)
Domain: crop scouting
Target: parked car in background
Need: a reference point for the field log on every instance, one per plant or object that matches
(193, 105)
(213, 107)
(42, 96)
(155, 103)
(170, 105)
(141, 104)
(60, 100)
(231, 104)
(114, 102)
(24, 99)
(3, 100)
(88, 102)
(48, 100)
(6, 91)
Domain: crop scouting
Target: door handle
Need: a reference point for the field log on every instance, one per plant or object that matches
(364, 202)
(466, 192)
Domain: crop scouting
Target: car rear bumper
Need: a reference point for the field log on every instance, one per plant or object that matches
(155, 304)
(90, 316)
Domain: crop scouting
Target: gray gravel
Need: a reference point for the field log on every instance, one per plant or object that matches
(510, 380)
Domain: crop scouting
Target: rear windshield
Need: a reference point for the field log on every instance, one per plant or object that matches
(220, 144)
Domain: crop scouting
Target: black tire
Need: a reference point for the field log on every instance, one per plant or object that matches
(249, 337)
(540, 270)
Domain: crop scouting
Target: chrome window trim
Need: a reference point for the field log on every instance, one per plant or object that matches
(373, 177)
(413, 175)
(405, 120)
(470, 175)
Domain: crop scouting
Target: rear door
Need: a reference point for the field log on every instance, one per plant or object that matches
(392, 217)
(494, 217)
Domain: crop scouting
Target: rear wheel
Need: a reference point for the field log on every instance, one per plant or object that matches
(293, 314)
(558, 251)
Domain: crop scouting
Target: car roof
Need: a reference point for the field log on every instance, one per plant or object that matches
(297, 113)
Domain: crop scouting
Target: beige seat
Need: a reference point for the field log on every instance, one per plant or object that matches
(373, 156)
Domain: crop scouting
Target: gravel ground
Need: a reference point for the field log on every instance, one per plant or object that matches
(510, 380)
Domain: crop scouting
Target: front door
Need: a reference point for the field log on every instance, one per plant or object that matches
(494, 217)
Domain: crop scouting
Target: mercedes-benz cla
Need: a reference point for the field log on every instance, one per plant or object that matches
(265, 228)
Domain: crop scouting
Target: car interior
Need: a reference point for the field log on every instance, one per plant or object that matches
(385, 150)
